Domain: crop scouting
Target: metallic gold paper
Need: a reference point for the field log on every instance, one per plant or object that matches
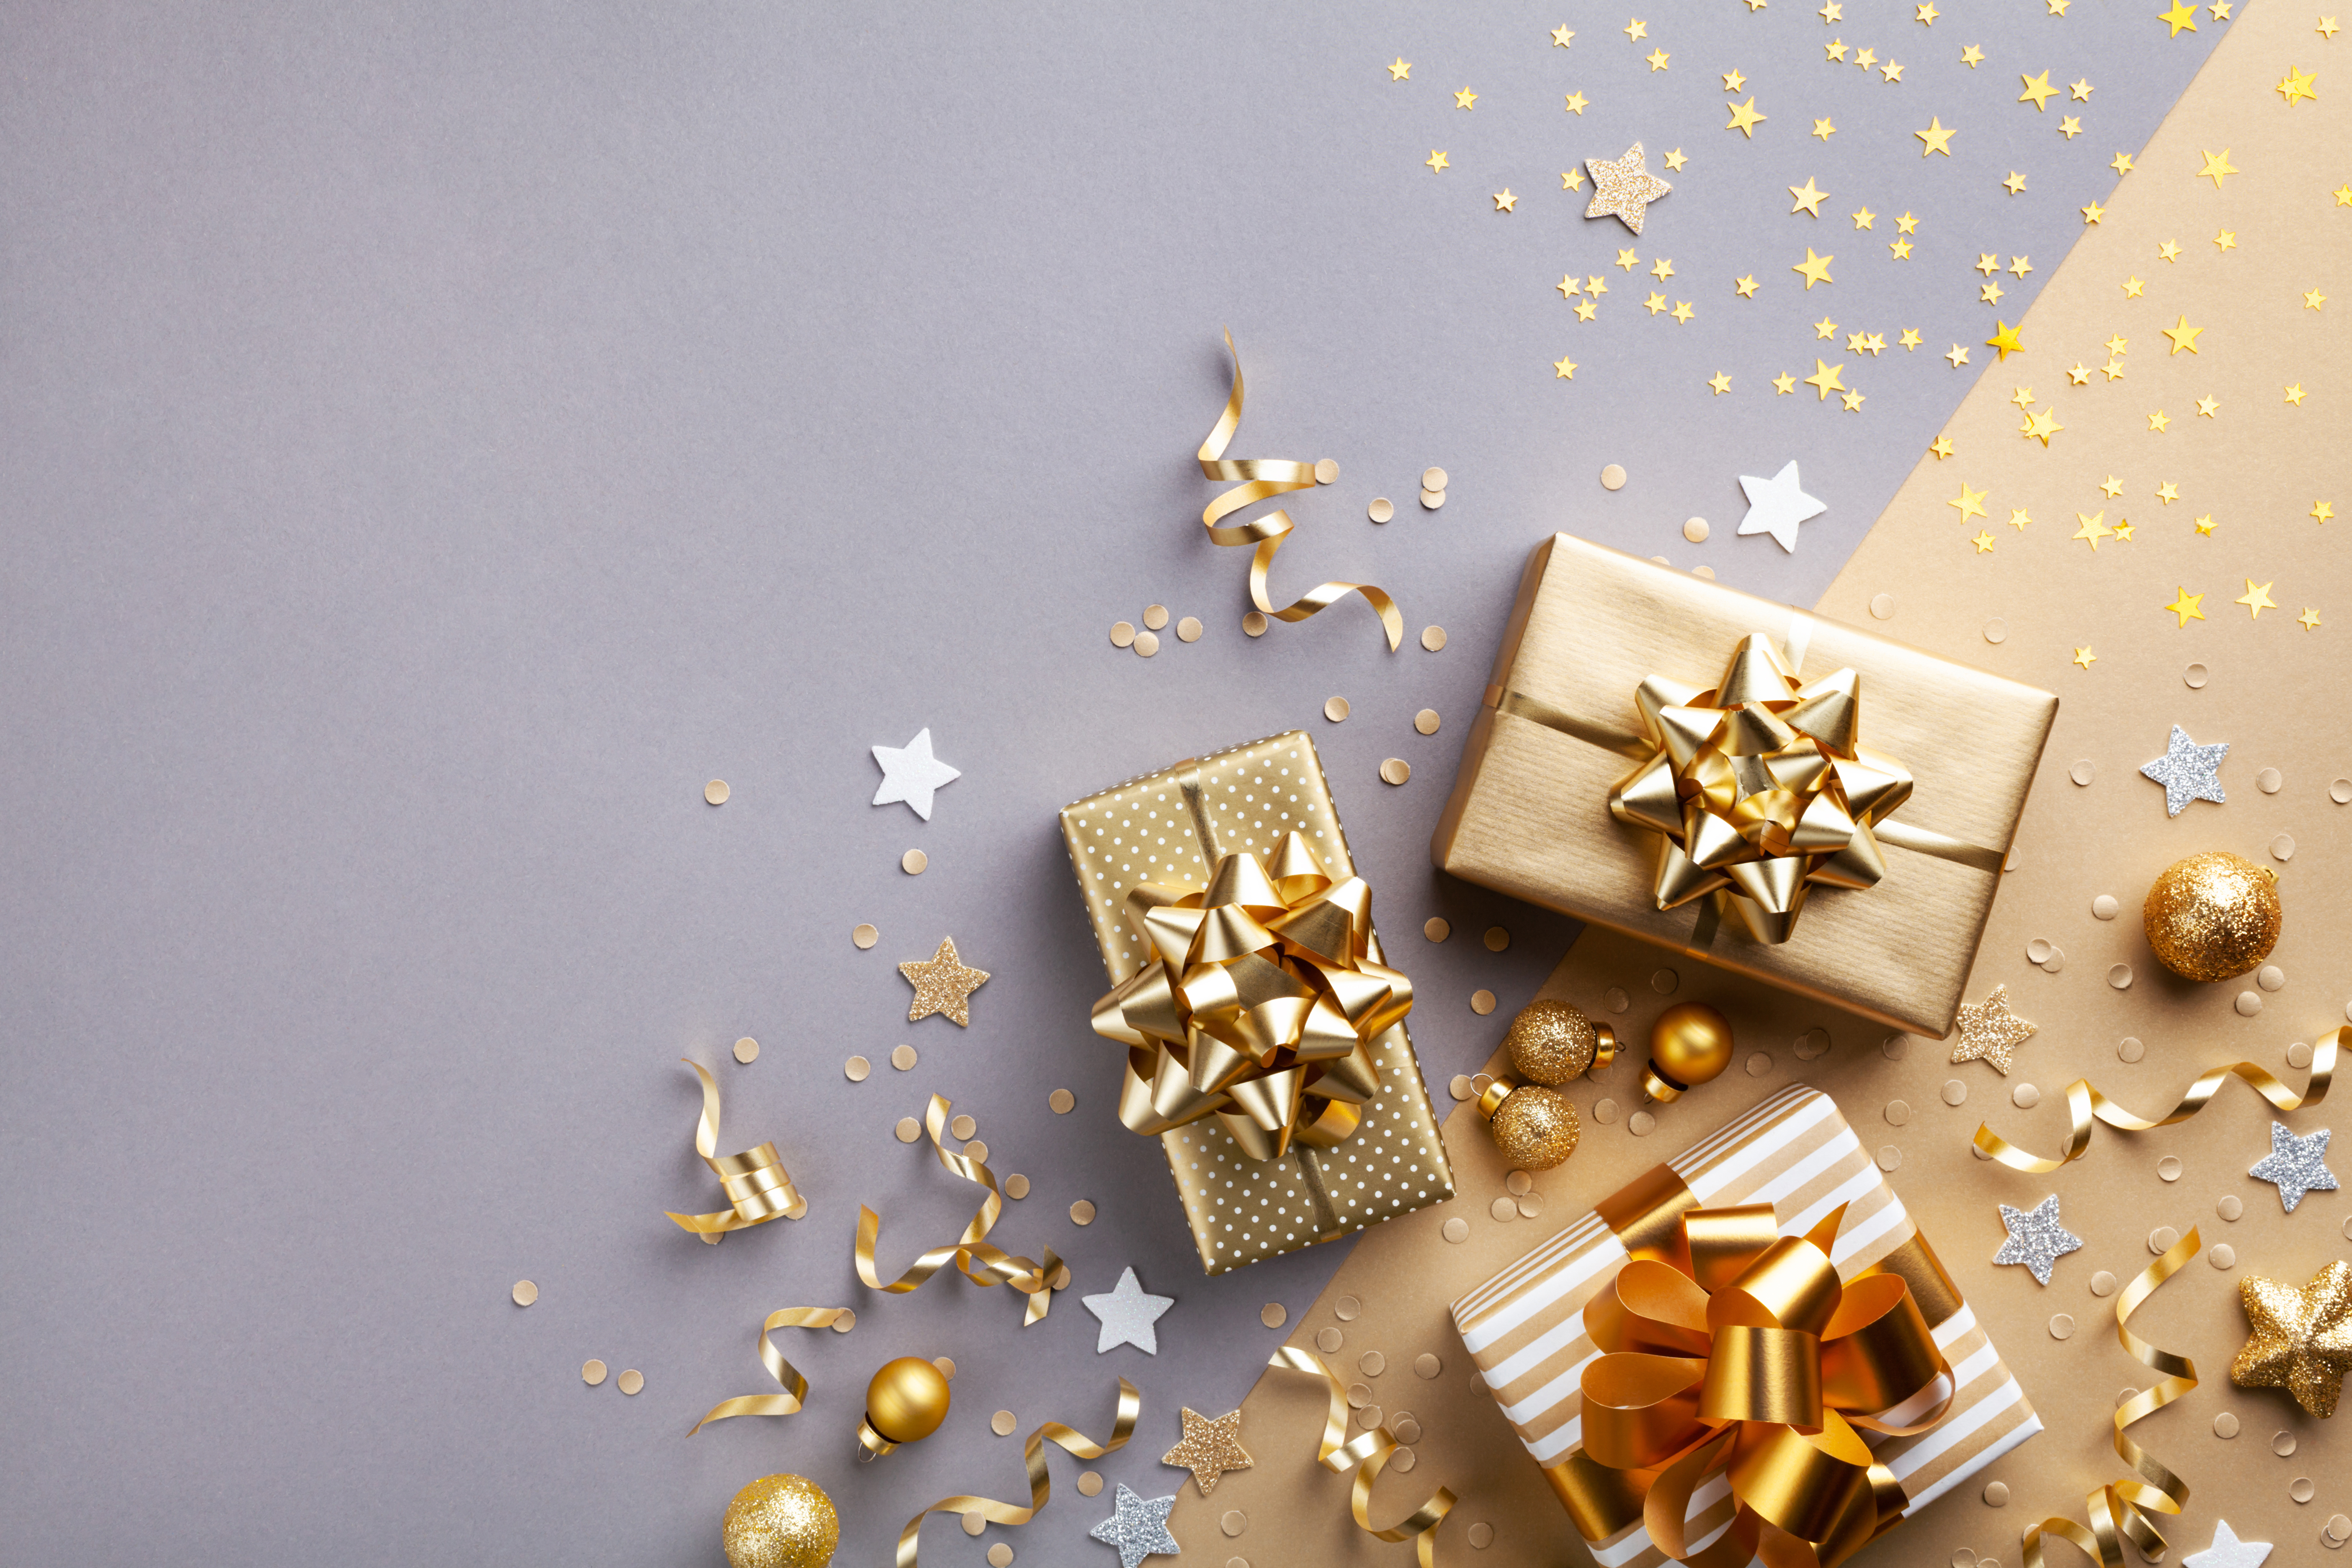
(1040, 1482)
(1366, 1454)
(755, 1181)
(970, 1252)
(788, 1376)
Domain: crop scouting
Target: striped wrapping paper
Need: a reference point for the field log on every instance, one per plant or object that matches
(1524, 1328)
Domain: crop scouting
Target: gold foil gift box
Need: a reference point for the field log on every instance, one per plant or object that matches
(1265, 1035)
(1757, 1328)
(1778, 794)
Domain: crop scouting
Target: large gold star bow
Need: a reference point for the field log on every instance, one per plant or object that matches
(1265, 992)
(1759, 788)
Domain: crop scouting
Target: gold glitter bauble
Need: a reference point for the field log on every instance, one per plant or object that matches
(1550, 1042)
(2212, 916)
(1534, 1127)
(1689, 1044)
(907, 1400)
(781, 1521)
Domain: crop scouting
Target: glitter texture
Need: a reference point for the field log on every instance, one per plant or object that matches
(1210, 1448)
(1550, 1043)
(2299, 1337)
(1534, 1127)
(942, 985)
(2212, 916)
(1988, 1032)
(2187, 771)
(781, 1521)
(1138, 1528)
(2036, 1238)
(2295, 1165)
(1622, 188)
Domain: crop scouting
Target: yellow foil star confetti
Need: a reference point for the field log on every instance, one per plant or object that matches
(1210, 1448)
(942, 985)
(2256, 599)
(2004, 339)
(1816, 268)
(1744, 118)
(1936, 138)
(2300, 1337)
(1622, 188)
(1987, 1030)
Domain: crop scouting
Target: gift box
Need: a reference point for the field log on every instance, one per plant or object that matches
(1311, 1017)
(1539, 1332)
(1831, 817)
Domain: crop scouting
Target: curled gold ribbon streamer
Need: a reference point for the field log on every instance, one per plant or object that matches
(1040, 1482)
(1264, 477)
(1366, 1454)
(2120, 1508)
(755, 1181)
(970, 1252)
(2085, 1104)
(787, 1375)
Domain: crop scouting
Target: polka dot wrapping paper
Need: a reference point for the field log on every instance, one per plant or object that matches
(1163, 828)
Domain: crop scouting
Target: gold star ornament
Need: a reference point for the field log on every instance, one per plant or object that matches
(1209, 1448)
(1988, 1031)
(2299, 1337)
(1622, 188)
(942, 985)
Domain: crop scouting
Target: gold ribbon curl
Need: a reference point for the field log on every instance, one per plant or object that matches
(1747, 1355)
(970, 1252)
(1367, 1453)
(1265, 476)
(1264, 996)
(1041, 1481)
(2120, 1507)
(2085, 1104)
(755, 1182)
(1759, 788)
(787, 1375)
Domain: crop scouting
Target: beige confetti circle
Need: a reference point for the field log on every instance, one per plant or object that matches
(2082, 773)
(1612, 477)
(1122, 634)
(2009, 862)
(962, 1127)
(1146, 644)
(2055, 962)
(2339, 1529)
(1016, 1185)
(1604, 1111)
(525, 1293)
(1155, 617)
(1432, 500)
(2025, 1097)
(2104, 906)
(1187, 631)
(1498, 939)
(1695, 530)
(2348, 1230)
(1233, 1522)
(747, 1050)
(2298, 1055)
(1432, 478)
(914, 862)
(2340, 792)
(1372, 1364)
(630, 1381)
(1890, 1158)
(2300, 1488)
(1480, 1083)
(1426, 1365)
(2163, 1238)
(1082, 1212)
(591, 1373)
(1899, 1113)
(1435, 927)
(1955, 1091)
(1758, 1064)
(1003, 1423)
(1404, 1428)
(908, 1129)
(1381, 509)
(1060, 1099)
(1995, 630)
(2119, 975)
(1964, 1558)
(857, 1068)
(1518, 1182)
(1253, 625)
(2282, 1444)
(2268, 780)
(1395, 771)
(2124, 1396)
(1503, 1209)
(1640, 1124)
(2194, 677)
(2061, 1327)
(1706, 571)
(1882, 607)
(846, 1321)
(1432, 638)
(1427, 721)
(715, 792)
(903, 1058)
(1459, 1087)
(1996, 1494)
(2247, 1004)
(1404, 1458)
(1482, 1534)
(1346, 1309)
(1274, 1314)
(2230, 1207)
(2038, 950)
(1327, 470)
(864, 935)
(1530, 1204)
(1062, 1278)
(2102, 1283)
(1359, 1394)
(1482, 1001)
(1000, 1555)
(2270, 977)
(1616, 1001)
(977, 1150)
(2129, 1049)
(2169, 1168)
(1335, 708)
(2225, 1425)
(2222, 1255)
(1664, 981)
(2282, 846)
(1089, 1483)
(1895, 1048)
(1456, 1230)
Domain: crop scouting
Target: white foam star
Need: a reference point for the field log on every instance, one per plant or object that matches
(2228, 1550)
(1776, 506)
(910, 773)
(1128, 1315)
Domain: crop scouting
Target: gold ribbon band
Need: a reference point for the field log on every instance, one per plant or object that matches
(788, 1376)
(1646, 1213)
(1366, 1454)
(1040, 1482)
(2085, 1104)
(758, 1187)
(980, 1262)
(1262, 477)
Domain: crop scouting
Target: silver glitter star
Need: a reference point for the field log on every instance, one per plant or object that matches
(2036, 1238)
(1622, 188)
(1127, 1314)
(2187, 771)
(2295, 1164)
(1138, 1528)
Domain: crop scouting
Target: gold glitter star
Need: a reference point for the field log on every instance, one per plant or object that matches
(2015, 184)
(2132, 287)
(2042, 426)
(1825, 381)
(2295, 393)
(2180, 18)
(1576, 103)
(1808, 197)
(1209, 1448)
(2085, 657)
(2168, 492)
(2207, 407)
(2081, 90)
(2111, 486)
(2159, 421)
(1623, 189)
(1563, 370)
(2185, 608)
(1823, 129)
(2255, 599)
(1958, 355)
(2205, 525)
(2217, 165)
(1745, 286)
(1783, 383)
(1988, 1031)
(2070, 127)
(1942, 447)
(1401, 69)
(1968, 504)
(1505, 201)
(1971, 56)
(1436, 161)
(1910, 338)
(1658, 58)
(2299, 1337)
(2183, 336)
(942, 985)
(2322, 510)
(2094, 527)
(1720, 381)
(2312, 299)
(1466, 99)
(1936, 138)
(2004, 339)
(1561, 37)
(1983, 541)
(1816, 268)
(2309, 619)
(2038, 91)
(1744, 118)
(2297, 84)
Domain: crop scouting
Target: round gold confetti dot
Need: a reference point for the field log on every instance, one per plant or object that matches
(903, 1058)
(1758, 1064)
(1061, 1100)
(2163, 1238)
(2340, 791)
(976, 1150)
(2247, 1004)
(2282, 1444)
(2169, 1168)
(1706, 571)
(1695, 530)
(1155, 617)
(1016, 1186)
(1498, 939)
(1062, 1278)
(1481, 1534)
(1274, 1314)
(1458, 1229)
(1664, 982)
(1640, 1124)
(2301, 1489)
(2268, 780)
(1381, 509)
(1329, 1340)
(1146, 644)
(1459, 1087)
(1432, 500)
(525, 1293)
(1404, 1428)
(2102, 1283)
(591, 1373)
(1481, 1003)
(1253, 624)
(1503, 1209)
(747, 1050)
(1327, 470)
(2270, 977)
(2225, 1425)
(2230, 1209)
(2119, 975)
(1189, 630)
(1518, 1182)
(1996, 1494)
(1369, 1416)
(1003, 1423)
(2130, 1049)
(2283, 848)
(2298, 1055)
(1890, 1158)
(1604, 1111)
(1427, 1366)
(1346, 1309)
(846, 1321)
(2082, 773)
(2104, 906)
(630, 1381)
(855, 1068)
(1955, 1091)
(1612, 477)
(2038, 950)
(914, 862)
(1395, 771)
(864, 935)
(1436, 929)
(715, 792)
(962, 1127)
(2061, 1327)
(1089, 1483)
(1895, 1048)
(2025, 1097)
(1432, 638)
(2222, 1255)
(1899, 1113)
(976, 1521)
(2194, 677)
(1335, 708)
(1359, 1395)
(1233, 1522)
(1995, 630)
(1882, 607)
(1432, 478)
(1530, 1204)
(1404, 1458)
(1122, 634)
(1427, 721)
(908, 1129)
(1372, 1364)
(1000, 1555)
(1082, 1212)
(1616, 1001)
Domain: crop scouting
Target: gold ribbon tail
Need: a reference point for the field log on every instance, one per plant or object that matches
(788, 1376)
(1366, 1455)
(970, 1252)
(755, 1182)
(1040, 1482)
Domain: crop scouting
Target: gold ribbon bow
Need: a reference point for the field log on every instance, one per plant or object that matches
(1263, 995)
(756, 1183)
(970, 1252)
(1746, 1354)
(1759, 788)
(1068, 1439)
(788, 1376)
(1366, 1454)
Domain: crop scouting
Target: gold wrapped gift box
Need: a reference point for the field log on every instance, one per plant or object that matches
(1170, 830)
(1550, 802)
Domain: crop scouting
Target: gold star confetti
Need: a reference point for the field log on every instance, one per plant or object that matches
(2170, 250)
(2057, 7)
(2121, 164)
(1623, 189)
(1572, 179)
(2327, 28)
(1636, 29)
(1576, 103)
(1988, 1031)
(2019, 267)
(2070, 127)
(2168, 492)
(2295, 393)
(1853, 400)
(2015, 184)
(1983, 541)
(1990, 293)
(2042, 426)
(1745, 286)
(1674, 159)
(1936, 138)
(1563, 370)
(1569, 287)
(1866, 59)
(2205, 524)
(1505, 201)
(1968, 504)
(2118, 343)
(1209, 1448)
(2094, 527)
(1783, 383)
(2295, 85)
(1823, 129)
(1835, 48)
(1942, 447)
(1720, 381)
(2255, 599)
(2081, 90)
(1971, 56)
(2038, 91)
(1958, 355)
(1808, 197)
(1662, 268)
(1658, 58)
(2312, 299)
(2225, 240)
(1744, 118)
(2322, 511)
(1910, 338)
(2123, 529)
(2184, 606)
(2004, 339)
(1987, 264)
(1816, 268)
(2112, 370)
(1733, 82)
(2180, 18)
(2309, 619)
(1654, 303)
(1586, 310)
(2343, 195)
(1825, 380)
(2217, 165)
(1864, 219)
(1436, 161)
(1682, 312)
(1906, 224)
(2299, 1337)
(2219, 10)
(1928, 14)
(2132, 287)
(2017, 518)
(1561, 37)
(1466, 99)
(942, 985)
(1597, 287)
(2159, 421)
(1401, 69)
(2207, 407)
(1890, 71)
(2092, 213)
(2078, 373)
(2085, 657)
(2022, 396)
(2111, 486)
(1825, 328)
(2183, 336)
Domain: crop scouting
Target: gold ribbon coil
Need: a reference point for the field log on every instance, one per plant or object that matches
(1366, 1454)
(755, 1181)
(788, 1376)
(970, 1252)
(1745, 1355)
(2120, 1508)
(1259, 1006)
(1759, 788)
(1264, 477)
(2085, 1104)
(1040, 1482)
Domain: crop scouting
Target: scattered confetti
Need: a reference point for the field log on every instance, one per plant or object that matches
(747, 1050)
(715, 792)
(591, 1373)
(525, 1293)
(1988, 1032)
(2187, 771)
(1623, 189)
(1427, 721)
(942, 984)
(1395, 771)
(630, 1381)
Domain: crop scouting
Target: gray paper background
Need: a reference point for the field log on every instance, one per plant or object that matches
(436, 439)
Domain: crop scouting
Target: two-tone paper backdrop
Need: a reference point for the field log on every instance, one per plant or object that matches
(439, 441)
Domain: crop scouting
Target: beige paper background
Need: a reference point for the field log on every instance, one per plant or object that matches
(2273, 693)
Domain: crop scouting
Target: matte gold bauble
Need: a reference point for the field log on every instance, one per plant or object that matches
(2212, 916)
(1536, 1127)
(1689, 1044)
(906, 1402)
(781, 1521)
(1553, 1042)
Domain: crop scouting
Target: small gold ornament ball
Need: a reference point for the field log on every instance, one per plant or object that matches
(1534, 1127)
(907, 1400)
(1550, 1042)
(1689, 1044)
(2212, 916)
(781, 1521)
